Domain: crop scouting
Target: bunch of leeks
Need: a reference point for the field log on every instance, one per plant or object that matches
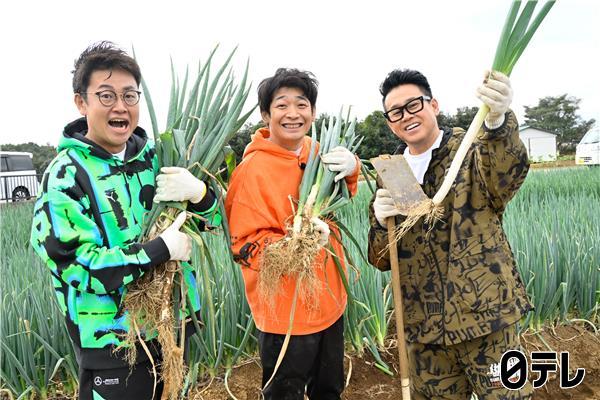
(200, 122)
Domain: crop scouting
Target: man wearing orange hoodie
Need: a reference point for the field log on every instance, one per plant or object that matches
(259, 211)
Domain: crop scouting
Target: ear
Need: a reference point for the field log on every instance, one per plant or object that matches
(435, 106)
(314, 115)
(265, 117)
(80, 104)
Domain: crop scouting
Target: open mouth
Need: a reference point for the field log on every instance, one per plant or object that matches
(412, 126)
(292, 126)
(118, 123)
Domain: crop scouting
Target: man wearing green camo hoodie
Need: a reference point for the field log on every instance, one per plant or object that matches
(88, 218)
(461, 290)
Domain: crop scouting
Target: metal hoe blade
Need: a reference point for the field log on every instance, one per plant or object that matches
(398, 178)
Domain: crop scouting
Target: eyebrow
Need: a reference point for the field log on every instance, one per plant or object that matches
(107, 86)
(396, 106)
(284, 96)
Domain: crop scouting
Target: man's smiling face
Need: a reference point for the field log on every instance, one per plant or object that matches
(419, 130)
(290, 117)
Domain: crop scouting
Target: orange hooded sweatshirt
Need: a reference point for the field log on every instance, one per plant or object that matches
(258, 210)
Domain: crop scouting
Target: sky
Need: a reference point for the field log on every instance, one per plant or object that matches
(350, 47)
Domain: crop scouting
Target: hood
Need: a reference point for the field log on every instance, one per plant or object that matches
(260, 142)
(73, 137)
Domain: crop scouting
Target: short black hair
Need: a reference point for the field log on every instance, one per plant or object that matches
(403, 77)
(98, 57)
(290, 78)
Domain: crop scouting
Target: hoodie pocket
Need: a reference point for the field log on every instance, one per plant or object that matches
(97, 320)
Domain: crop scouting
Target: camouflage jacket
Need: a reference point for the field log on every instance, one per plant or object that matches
(462, 282)
(86, 228)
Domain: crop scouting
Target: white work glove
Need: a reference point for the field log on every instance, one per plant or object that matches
(178, 243)
(178, 184)
(342, 160)
(496, 93)
(384, 206)
(322, 228)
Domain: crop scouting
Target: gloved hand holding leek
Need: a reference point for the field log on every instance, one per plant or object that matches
(516, 34)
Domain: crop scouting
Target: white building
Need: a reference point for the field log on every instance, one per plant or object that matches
(540, 144)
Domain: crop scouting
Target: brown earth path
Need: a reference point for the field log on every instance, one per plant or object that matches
(368, 382)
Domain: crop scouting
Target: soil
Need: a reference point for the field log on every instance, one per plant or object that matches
(553, 164)
(584, 350)
(368, 382)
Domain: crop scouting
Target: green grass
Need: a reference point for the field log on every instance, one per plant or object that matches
(552, 225)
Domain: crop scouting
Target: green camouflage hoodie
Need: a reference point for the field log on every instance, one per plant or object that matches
(86, 227)
(462, 282)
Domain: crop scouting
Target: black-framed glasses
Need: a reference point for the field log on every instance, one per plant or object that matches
(109, 97)
(412, 107)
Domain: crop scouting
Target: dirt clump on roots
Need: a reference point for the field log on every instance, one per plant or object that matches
(293, 256)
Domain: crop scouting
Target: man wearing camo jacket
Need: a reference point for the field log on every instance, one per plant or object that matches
(461, 290)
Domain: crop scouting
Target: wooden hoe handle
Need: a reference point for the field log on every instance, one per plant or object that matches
(398, 310)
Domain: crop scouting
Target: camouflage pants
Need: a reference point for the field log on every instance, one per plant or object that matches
(457, 371)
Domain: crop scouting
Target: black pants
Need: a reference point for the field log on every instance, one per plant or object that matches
(314, 363)
(117, 383)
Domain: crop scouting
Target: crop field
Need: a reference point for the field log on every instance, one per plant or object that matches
(553, 226)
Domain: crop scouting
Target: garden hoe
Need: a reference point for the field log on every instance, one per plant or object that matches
(398, 178)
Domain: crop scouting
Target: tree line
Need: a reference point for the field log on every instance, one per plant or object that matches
(558, 115)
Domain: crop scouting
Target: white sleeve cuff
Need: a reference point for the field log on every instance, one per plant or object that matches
(496, 123)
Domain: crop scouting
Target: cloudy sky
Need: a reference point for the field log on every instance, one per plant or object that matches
(350, 46)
